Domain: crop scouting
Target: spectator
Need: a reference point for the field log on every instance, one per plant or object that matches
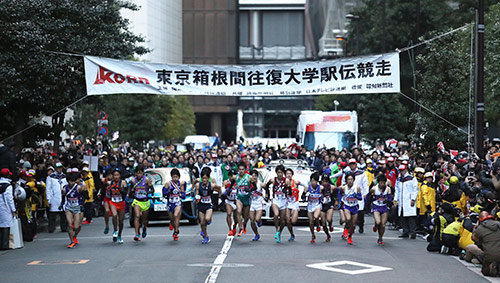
(487, 237)
(7, 207)
(405, 196)
(55, 183)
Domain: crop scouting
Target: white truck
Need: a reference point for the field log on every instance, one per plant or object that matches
(338, 129)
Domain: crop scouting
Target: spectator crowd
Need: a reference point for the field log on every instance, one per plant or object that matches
(457, 201)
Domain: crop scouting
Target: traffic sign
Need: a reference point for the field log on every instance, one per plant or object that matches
(103, 131)
(102, 115)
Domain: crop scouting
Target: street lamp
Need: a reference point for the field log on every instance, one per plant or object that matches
(336, 103)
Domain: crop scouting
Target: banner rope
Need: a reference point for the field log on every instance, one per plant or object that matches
(399, 50)
(36, 123)
(434, 113)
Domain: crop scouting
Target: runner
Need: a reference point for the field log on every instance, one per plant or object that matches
(381, 196)
(242, 198)
(72, 201)
(230, 199)
(106, 199)
(175, 191)
(141, 187)
(350, 197)
(279, 201)
(292, 208)
(204, 190)
(117, 188)
(257, 203)
(313, 194)
(328, 201)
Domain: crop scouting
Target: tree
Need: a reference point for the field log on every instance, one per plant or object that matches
(444, 88)
(492, 65)
(36, 82)
(181, 119)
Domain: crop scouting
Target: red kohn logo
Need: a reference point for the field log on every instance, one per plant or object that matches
(105, 75)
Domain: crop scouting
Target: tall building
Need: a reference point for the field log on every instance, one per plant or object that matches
(246, 32)
(160, 23)
(210, 36)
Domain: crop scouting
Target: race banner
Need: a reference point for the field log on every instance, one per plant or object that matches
(357, 75)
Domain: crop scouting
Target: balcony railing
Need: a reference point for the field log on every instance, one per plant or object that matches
(274, 53)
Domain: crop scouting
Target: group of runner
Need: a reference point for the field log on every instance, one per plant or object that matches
(245, 197)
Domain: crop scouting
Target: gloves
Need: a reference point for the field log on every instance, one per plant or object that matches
(308, 194)
(197, 197)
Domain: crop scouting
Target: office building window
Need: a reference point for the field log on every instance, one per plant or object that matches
(282, 28)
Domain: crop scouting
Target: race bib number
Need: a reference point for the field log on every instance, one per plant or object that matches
(141, 194)
(280, 195)
(206, 199)
(117, 198)
(327, 199)
(174, 199)
(314, 198)
(73, 202)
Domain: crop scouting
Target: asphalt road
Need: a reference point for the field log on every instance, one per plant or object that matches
(159, 259)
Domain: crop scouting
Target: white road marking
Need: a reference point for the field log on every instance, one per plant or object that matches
(223, 265)
(39, 262)
(219, 261)
(366, 268)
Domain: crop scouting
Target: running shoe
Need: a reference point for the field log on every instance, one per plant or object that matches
(206, 240)
(374, 228)
(318, 229)
(313, 239)
(144, 233)
(328, 239)
(245, 230)
(75, 240)
(256, 238)
(137, 238)
(234, 232)
(175, 236)
(106, 230)
(115, 236)
(209, 222)
(277, 235)
(86, 222)
(120, 240)
(231, 233)
(380, 242)
(345, 234)
(331, 228)
(278, 239)
(171, 227)
(202, 234)
(240, 233)
(349, 240)
(292, 238)
(71, 245)
(259, 223)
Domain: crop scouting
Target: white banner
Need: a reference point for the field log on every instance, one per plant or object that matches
(366, 74)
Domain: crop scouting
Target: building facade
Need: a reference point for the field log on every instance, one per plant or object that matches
(160, 23)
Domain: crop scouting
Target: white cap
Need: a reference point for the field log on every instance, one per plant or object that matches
(86, 169)
(59, 164)
(352, 160)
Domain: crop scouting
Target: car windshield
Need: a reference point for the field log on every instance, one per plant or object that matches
(155, 178)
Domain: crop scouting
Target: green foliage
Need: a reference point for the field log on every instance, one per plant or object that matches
(35, 82)
(181, 119)
(138, 117)
(492, 65)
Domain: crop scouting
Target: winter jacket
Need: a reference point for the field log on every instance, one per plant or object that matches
(487, 235)
(7, 206)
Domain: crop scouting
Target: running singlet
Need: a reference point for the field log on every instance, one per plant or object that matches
(257, 194)
(380, 197)
(327, 195)
(279, 188)
(351, 197)
(73, 198)
(116, 195)
(294, 196)
(175, 192)
(140, 189)
(231, 191)
(243, 185)
(314, 195)
(206, 193)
